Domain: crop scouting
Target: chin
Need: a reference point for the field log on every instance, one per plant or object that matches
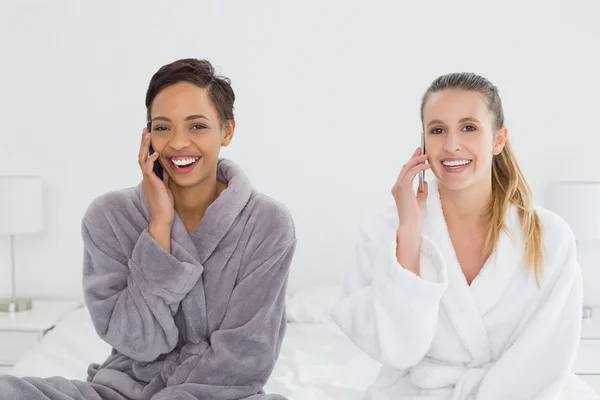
(454, 182)
(454, 185)
(187, 180)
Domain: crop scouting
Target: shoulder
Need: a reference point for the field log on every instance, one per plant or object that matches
(108, 209)
(556, 232)
(271, 219)
(558, 241)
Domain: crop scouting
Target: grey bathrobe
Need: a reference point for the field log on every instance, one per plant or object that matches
(205, 321)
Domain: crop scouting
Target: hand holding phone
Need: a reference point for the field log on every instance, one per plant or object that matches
(411, 209)
(155, 184)
(411, 205)
(157, 168)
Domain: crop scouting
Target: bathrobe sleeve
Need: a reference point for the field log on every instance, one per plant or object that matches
(132, 299)
(386, 310)
(540, 357)
(239, 357)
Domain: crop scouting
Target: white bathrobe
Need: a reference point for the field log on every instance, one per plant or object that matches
(502, 337)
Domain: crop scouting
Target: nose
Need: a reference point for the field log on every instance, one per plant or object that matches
(179, 140)
(452, 143)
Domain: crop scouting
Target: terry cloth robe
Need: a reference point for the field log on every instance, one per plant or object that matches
(437, 337)
(205, 321)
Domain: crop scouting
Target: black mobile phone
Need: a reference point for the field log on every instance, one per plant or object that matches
(422, 173)
(158, 168)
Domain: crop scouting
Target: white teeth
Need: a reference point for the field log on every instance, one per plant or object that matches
(184, 161)
(456, 163)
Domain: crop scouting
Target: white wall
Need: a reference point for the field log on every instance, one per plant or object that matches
(327, 110)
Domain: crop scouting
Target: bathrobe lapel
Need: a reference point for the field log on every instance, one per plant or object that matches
(179, 234)
(496, 276)
(212, 231)
(221, 215)
(458, 301)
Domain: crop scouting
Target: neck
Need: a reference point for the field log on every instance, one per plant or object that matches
(192, 202)
(466, 208)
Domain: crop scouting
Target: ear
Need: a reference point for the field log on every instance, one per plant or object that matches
(227, 133)
(500, 141)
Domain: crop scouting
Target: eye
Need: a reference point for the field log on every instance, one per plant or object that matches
(159, 128)
(469, 128)
(437, 131)
(198, 127)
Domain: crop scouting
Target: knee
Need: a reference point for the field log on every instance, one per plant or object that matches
(12, 387)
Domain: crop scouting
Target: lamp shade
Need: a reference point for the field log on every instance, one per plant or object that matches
(20, 204)
(578, 203)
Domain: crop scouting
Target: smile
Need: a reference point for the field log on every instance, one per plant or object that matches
(456, 166)
(456, 163)
(182, 165)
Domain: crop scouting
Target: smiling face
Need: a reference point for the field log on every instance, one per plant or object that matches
(188, 133)
(461, 137)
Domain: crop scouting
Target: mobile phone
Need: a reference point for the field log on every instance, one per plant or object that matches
(158, 168)
(422, 173)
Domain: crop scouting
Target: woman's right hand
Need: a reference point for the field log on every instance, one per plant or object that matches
(411, 211)
(411, 207)
(157, 192)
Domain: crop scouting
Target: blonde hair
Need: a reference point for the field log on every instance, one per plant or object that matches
(509, 185)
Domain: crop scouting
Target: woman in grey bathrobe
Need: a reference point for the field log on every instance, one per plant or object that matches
(184, 275)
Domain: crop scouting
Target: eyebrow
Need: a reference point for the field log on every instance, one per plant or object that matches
(466, 119)
(188, 118)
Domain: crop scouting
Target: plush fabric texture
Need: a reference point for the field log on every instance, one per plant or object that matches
(205, 321)
(502, 337)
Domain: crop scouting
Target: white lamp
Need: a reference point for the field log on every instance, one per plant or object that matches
(578, 203)
(20, 213)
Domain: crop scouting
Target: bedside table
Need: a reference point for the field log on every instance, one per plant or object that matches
(20, 332)
(587, 364)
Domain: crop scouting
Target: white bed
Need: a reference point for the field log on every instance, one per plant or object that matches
(317, 361)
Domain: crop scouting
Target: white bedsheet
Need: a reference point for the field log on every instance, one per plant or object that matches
(317, 362)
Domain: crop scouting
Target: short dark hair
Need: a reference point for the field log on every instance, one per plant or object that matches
(200, 73)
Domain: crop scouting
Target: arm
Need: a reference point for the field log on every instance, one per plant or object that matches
(541, 356)
(387, 310)
(240, 356)
(132, 301)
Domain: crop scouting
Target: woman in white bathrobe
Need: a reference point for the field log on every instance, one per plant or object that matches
(464, 290)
